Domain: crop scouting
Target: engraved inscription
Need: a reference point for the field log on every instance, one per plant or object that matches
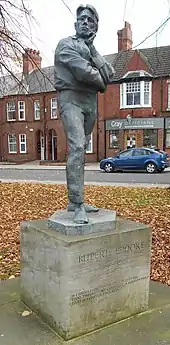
(93, 294)
(135, 247)
(91, 256)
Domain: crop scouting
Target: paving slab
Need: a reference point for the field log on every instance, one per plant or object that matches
(149, 328)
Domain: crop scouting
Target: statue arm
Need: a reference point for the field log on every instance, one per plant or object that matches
(106, 70)
(80, 68)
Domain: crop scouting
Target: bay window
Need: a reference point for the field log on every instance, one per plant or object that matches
(135, 94)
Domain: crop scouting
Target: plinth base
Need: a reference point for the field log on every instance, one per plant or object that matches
(101, 221)
(81, 283)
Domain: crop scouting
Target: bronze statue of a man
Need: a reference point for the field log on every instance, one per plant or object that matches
(80, 73)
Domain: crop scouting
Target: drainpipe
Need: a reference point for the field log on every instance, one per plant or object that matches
(161, 111)
(104, 119)
(45, 128)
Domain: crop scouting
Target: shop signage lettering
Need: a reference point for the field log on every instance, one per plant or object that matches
(135, 123)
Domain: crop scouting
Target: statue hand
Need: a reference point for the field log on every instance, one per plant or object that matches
(90, 39)
(93, 50)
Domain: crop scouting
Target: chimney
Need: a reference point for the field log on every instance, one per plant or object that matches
(31, 60)
(125, 38)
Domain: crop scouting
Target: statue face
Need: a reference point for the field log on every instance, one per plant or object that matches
(85, 25)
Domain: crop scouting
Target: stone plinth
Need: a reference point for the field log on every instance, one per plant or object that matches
(81, 283)
(101, 221)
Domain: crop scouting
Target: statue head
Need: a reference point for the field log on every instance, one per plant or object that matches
(87, 21)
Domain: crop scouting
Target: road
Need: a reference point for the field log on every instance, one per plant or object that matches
(59, 176)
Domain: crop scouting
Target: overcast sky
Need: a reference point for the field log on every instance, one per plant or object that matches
(55, 22)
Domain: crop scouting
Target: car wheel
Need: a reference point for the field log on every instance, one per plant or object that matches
(109, 167)
(151, 167)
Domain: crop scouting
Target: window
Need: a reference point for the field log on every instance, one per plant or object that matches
(12, 143)
(146, 92)
(169, 95)
(89, 148)
(114, 139)
(37, 110)
(21, 110)
(130, 141)
(53, 108)
(22, 143)
(141, 152)
(150, 137)
(138, 152)
(11, 111)
(135, 94)
(127, 153)
(168, 138)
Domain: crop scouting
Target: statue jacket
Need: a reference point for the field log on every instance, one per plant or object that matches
(76, 69)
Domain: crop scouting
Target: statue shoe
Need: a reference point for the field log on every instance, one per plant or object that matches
(80, 215)
(88, 208)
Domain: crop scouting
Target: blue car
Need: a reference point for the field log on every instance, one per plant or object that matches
(135, 159)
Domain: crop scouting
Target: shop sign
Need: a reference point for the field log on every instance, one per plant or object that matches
(167, 123)
(136, 123)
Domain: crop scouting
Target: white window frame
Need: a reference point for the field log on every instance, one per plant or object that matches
(123, 93)
(90, 143)
(13, 136)
(22, 142)
(168, 91)
(53, 108)
(37, 109)
(10, 111)
(21, 110)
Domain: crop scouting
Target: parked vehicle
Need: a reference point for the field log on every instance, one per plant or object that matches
(136, 159)
(166, 155)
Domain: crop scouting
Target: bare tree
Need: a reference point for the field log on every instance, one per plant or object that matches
(15, 20)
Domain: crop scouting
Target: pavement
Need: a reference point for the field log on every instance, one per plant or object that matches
(35, 165)
(148, 328)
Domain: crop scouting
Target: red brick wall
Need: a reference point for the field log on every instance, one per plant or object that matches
(23, 127)
(112, 109)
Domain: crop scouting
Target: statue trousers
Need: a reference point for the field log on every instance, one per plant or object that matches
(78, 113)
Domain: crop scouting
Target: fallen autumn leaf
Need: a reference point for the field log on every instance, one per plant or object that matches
(25, 201)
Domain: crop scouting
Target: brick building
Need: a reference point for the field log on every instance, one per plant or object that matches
(134, 111)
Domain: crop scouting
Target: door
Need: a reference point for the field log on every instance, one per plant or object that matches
(130, 141)
(124, 160)
(42, 147)
(139, 157)
(54, 147)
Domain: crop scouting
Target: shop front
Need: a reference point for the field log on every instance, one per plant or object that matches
(134, 132)
(167, 134)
